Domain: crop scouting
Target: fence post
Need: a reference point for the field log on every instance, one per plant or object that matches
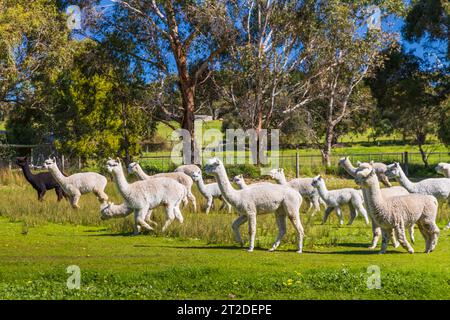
(79, 163)
(406, 160)
(62, 163)
(10, 164)
(297, 164)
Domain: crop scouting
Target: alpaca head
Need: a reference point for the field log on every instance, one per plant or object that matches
(343, 160)
(21, 161)
(239, 179)
(440, 168)
(50, 163)
(113, 165)
(277, 174)
(393, 170)
(366, 176)
(213, 165)
(196, 175)
(133, 167)
(317, 181)
(104, 210)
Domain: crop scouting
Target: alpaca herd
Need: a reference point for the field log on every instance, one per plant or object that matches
(391, 210)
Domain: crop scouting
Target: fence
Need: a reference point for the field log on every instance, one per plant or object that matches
(295, 163)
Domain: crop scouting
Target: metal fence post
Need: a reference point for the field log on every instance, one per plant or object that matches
(406, 160)
(62, 162)
(297, 164)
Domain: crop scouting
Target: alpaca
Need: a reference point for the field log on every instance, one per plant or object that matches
(336, 198)
(443, 168)
(302, 186)
(209, 191)
(380, 169)
(400, 212)
(438, 187)
(385, 192)
(41, 182)
(188, 169)
(239, 180)
(143, 196)
(110, 210)
(79, 183)
(250, 202)
(180, 177)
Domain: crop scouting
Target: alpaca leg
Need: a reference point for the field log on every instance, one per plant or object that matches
(209, 204)
(101, 196)
(59, 194)
(362, 211)
(394, 241)
(192, 199)
(353, 214)
(281, 222)
(308, 205)
(411, 234)
(141, 215)
(316, 205)
(386, 235)
(295, 220)
(447, 226)
(178, 214)
(327, 214)
(339, 215)
(235, 226)
(41, 194)
(136, 227)
(170, 216)
(74, 200)
(376, 233)
(148, 218)
(251, 230)
(401, 237)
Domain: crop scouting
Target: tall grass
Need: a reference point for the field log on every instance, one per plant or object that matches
(18, 202)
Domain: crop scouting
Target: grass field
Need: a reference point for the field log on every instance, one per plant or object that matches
(198, 260)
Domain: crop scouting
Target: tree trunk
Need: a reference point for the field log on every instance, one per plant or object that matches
(188, 102)
(326, 151)
(421, 139)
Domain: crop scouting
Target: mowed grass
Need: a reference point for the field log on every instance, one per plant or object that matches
(198, 260)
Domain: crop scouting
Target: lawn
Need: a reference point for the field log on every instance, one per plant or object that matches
(199, 260)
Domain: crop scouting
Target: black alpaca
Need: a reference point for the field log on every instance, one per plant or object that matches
(41, 182)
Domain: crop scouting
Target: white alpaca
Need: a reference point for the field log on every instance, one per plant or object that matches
(385, 192)
(337, 198)
(188, 169)
(180, 177)
(209, 191)
(145, 195)
(443, 168)
(302, 186)
(437, 187)
(249, 202)
(380, 169)
(400, 212)
(79, 183)
(239, 180)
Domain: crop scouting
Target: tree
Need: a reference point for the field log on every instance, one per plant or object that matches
(408, 98)
(172, 38)
(348, 54)
(96, 106)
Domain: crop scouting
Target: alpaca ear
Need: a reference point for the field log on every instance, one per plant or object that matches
(281, 170)
(54, 159)
(372, 162)
(358, 163)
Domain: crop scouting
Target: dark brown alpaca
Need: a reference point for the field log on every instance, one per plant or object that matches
(41, 182)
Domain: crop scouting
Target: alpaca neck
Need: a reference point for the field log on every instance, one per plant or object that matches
(122, 183)
(281, 179)
(228, 192)
(372, 192)
(201, 186)
(405, 182)
(59, 177)
(27, 173)
(347, 165)
(323, 191)
(141, 174)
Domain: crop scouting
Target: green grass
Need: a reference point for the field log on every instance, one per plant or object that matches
(198, 260)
